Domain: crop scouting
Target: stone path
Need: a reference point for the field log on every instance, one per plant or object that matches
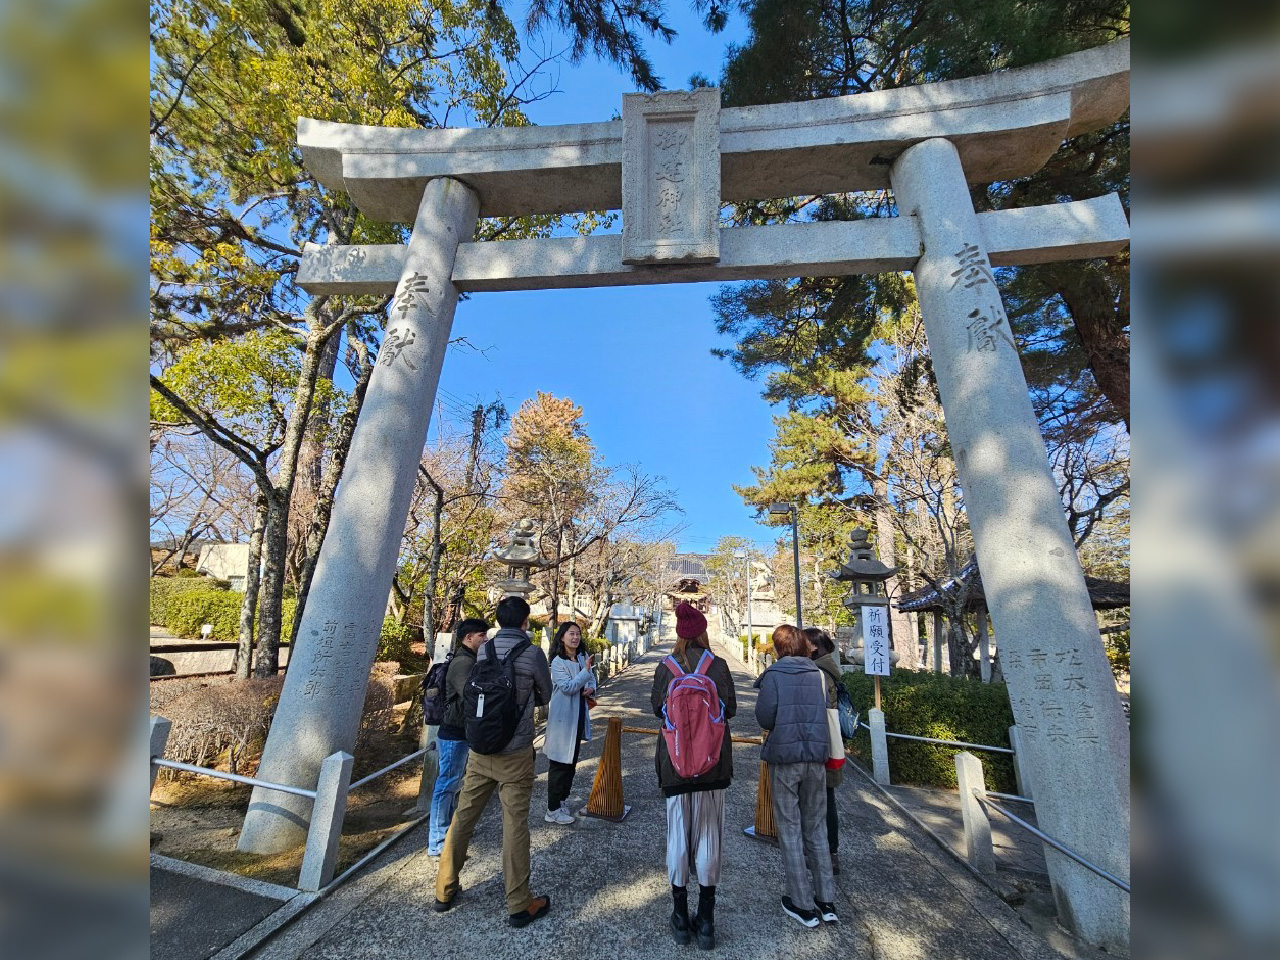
(901, 895)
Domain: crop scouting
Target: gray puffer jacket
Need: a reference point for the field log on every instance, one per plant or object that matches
(533, 682)
(793, 706)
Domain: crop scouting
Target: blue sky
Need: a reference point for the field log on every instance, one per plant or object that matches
(636, 359)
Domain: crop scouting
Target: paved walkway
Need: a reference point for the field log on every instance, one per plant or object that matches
(901, 895)
(197, 912)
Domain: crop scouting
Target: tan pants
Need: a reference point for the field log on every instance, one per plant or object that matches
(511, 775)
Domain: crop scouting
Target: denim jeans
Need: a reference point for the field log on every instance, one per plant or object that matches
(453, 764)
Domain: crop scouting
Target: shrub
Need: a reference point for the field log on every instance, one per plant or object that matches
(595, 645)
(934, 705)
(393, 640)
(183, 605)
(227, 720)
(1117, 647)
(214, 718)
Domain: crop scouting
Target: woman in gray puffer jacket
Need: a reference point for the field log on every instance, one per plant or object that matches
(792, 705)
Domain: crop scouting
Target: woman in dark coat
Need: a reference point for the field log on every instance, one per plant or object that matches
(695, 806)
(824, 655)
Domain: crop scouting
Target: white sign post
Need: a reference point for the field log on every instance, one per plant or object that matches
(875, 644)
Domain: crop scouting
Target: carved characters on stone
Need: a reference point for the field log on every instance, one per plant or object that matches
(973, 269)
(397, 339)
(986, 323)
(1061, 707)
(671, 177)
(669, 142)
(984, 329)
(413, 294)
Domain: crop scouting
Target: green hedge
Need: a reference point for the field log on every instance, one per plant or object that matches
(595, 645)
(934, 705)
(746, 649)
(183, 605)
(393, 640)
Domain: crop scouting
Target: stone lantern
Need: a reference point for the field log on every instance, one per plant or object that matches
(865, 575)
(520, 556)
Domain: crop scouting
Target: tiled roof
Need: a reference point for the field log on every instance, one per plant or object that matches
(1104, 594)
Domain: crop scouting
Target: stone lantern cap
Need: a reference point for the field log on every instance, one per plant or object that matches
(522, 551)
(520, 555)
(862, 565)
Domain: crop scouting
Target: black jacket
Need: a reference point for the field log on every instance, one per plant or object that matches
(719, 776)
(456, 678)
(827, 664)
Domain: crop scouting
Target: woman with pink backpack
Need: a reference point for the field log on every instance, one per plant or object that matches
(694, 697)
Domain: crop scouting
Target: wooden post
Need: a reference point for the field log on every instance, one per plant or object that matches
(937, 643)
(876, 681)
(984, 654)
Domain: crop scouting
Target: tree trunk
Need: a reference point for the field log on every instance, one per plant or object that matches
(553, 587)
(276, 541)
(249, 608)
(1100, 318)
(319, 524)
(960, 651)
(310, 474)
(266, 657)
(601, 616)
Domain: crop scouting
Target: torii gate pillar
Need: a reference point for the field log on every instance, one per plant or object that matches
(1059, 680)
(324, 688)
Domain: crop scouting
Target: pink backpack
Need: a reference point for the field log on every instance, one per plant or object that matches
(693, 719)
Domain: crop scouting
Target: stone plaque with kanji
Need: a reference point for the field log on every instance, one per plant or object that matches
(671, 177)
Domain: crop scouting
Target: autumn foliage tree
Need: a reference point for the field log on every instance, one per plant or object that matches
(555, 476)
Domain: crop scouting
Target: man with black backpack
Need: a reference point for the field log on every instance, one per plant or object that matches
(442, 704)
(509, 679)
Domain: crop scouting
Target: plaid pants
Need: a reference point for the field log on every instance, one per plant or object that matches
(800, 810)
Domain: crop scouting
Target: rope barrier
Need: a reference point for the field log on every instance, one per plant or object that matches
(649, 731)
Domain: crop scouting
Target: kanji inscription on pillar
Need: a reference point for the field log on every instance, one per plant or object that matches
(671, 177)
(1061, 708)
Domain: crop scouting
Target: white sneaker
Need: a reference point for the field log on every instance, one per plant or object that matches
(560, 816)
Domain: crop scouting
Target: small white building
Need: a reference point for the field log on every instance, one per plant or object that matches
(225, 561)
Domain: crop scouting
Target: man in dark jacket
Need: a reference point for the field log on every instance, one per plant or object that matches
(793, 706)
(510, 772)
(451, 741)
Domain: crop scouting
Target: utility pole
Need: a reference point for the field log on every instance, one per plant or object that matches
(477, 428)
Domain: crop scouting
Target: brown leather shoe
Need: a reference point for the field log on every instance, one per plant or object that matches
(538, 907)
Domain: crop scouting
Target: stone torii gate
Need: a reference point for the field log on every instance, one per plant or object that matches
(670, 163)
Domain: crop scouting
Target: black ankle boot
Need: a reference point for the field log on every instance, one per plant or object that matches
(680, 926)
(704, 924)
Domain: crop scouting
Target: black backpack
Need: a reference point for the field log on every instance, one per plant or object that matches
(489, 708)
(434, 694)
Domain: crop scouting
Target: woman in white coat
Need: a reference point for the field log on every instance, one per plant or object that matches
(568, 722)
